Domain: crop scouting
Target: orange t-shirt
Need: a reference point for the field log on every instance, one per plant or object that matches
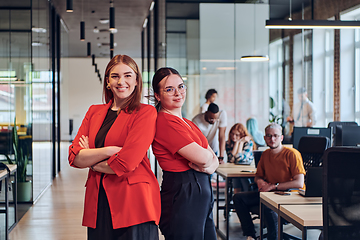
(281, 167)
(172, 134)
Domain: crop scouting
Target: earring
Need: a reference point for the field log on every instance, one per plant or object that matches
(108, 86)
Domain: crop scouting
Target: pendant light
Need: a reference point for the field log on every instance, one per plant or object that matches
(111, 41)
(69, 6)
(89, 49)
(112, 16)
(310, 24)
(254, 57)
(82, 23)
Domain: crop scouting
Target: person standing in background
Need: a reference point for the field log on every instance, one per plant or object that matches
(187, 162)
(122, 199)
(210, 97)
(213, 124)
(304, 111)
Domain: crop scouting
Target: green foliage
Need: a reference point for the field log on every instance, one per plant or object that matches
(21, 158)
(272, 117)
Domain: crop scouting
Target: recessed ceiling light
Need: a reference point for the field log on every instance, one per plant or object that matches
(104, 21)
(36, 44)
(96, 30)
(38, 30)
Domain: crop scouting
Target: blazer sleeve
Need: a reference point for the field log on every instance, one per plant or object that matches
(138, 141)
(75, 148)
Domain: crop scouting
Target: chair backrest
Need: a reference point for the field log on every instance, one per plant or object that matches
(312, 149)
(337, 138)
(300, 132)
(257, 156)
(341, 193)
(6, 142)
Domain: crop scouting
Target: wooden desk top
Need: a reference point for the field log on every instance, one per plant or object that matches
(237, 171)
(306, 215)
(12, 168)
(232, 165)
(294, 198)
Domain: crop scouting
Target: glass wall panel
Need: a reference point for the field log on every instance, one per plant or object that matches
(42, 97)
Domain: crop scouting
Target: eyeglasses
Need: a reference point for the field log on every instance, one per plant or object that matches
(171, 90)
(271, 136)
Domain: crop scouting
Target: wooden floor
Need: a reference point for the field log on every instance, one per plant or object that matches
(57, 215)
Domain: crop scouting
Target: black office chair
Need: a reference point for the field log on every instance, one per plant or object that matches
(312, 149)
(336, 139)
(341, 193)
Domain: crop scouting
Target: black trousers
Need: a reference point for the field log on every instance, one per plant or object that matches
(244, 203)
(186, 206)
(104, 228)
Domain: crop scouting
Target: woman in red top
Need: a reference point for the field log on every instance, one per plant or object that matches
(122, 199)
(186, 159)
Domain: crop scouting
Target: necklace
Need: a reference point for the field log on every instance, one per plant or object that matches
(167, 111)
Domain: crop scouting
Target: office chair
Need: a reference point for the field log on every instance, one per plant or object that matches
(341, 193)
(312, 149)
(336, 139)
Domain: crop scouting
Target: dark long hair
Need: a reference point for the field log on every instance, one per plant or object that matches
(159, 75)
(134, 100)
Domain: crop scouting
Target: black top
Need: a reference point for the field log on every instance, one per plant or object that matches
(105, 127)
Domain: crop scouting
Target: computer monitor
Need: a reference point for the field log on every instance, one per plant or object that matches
(350, 136)
(300, 132)
(336, 128)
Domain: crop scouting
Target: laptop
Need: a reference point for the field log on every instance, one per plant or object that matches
(313, 182)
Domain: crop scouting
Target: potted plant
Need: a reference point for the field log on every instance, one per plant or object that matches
(21, 160)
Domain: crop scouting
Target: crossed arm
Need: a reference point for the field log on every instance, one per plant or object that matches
(200, 159)
(94, 158)
(296, 182)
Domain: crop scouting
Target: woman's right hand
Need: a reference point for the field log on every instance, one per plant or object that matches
(84, 142)
(112, 150)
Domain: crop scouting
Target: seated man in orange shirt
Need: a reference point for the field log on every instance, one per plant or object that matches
(280, 168)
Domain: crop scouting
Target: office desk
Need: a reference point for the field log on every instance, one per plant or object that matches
(229, 171)
(275, 201)
(4, 175)
(303, 217)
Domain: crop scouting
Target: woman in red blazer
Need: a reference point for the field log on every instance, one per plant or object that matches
(122, 199)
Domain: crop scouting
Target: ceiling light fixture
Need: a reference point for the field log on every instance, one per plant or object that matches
(96, 30)
(254, 57)
(104, 21)
(69, 6)
(111, 41)
(112, 16)
(38, 30)
(89, 49)
(311, 24)
(152, 6)
(82, 31)
(82, 23)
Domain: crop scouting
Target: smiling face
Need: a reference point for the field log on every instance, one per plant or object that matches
(122, 82)
(171, 100)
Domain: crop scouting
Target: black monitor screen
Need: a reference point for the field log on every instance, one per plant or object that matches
(350, 136)
(305, 131)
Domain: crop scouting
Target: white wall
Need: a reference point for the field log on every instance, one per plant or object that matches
(80, 89)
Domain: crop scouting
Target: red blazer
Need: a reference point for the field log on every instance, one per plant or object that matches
(133, 192)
